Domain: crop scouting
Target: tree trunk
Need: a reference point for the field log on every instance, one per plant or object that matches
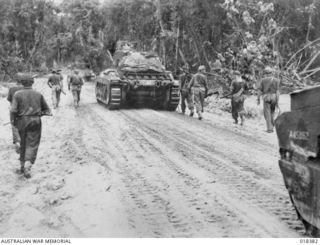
(162, 37)
(177, 49)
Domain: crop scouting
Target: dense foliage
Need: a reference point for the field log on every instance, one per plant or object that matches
(241, 34)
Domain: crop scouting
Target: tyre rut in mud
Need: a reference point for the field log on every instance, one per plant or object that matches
(216, 164)
(144, 195)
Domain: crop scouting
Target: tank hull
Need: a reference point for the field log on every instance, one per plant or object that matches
(137, 79)
(157, 98)
(302, 183)
(298, 134)
(156, 94)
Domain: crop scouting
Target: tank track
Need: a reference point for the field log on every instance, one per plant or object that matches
(115, 98)
(174, 99)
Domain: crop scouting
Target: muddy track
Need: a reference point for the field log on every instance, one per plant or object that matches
(149, 174)
(180, 197)
(239, 176)
(147, 207)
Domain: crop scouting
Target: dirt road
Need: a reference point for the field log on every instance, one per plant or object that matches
(144, 173)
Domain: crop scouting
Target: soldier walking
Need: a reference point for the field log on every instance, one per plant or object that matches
(27, 108)
(75, 83)
(15, 133)
(55, 82)
(269, 89)
(237, 89)
(186, 95)
(199, 87)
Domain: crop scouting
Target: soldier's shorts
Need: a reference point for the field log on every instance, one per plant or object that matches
(76, 95)
(198, 95)
(56, 92)
(30, 133)
(269, 107)
(186, 96)
(237, 107)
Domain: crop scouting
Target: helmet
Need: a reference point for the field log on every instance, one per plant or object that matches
(26, 79)
(268, 69)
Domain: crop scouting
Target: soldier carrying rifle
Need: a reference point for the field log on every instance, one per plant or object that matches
(26, 110)
(186, 95)
(237, 89)
(55, 82)
(75, 83)
(199, 87)
(269, 90)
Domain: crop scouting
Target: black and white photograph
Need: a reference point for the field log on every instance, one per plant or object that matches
(159, 119)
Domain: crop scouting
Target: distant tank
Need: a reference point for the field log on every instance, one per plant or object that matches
(299, 140)
(138, 79)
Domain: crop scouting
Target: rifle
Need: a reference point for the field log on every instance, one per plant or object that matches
(50, 86)
(5, 124)
(226, 96)
(211, 93)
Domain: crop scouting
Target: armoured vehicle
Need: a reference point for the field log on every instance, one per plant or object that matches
(138, 79)
(299, 140)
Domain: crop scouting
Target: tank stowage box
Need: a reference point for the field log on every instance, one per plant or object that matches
(298, 134)
(138, 79)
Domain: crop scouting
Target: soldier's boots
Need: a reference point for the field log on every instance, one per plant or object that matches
(200, 115)
(21, 170)
(242, 121)
(27, 169)
(191, 113)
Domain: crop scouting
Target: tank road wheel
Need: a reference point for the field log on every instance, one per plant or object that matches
(173, 99)
(113, 98)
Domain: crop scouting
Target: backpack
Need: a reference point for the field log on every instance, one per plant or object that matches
(75, 80)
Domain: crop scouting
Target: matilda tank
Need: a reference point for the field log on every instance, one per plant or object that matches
(137, 79)
(298, 133)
